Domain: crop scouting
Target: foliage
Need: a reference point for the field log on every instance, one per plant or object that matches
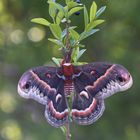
(61, 15)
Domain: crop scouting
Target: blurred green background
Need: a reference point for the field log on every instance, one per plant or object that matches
(24, 45)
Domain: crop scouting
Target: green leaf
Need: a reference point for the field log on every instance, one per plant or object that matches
(81, 45)
(66, 12)
(86, 18)
(87, 34)
(80, 53)
(56, 30)
(65, 31)
(72, 27)
(52, 10)
(72, 4)
(59, 17)
(93, 10)
(74, 34)
(72, 42)
(57, 61)
(57, 6)
(74, 54)
(64, 129)
(67, 1)
(41, 21)
(56, 41)
(100, 11)
(80, 63)
(74, 10)
(93, 24)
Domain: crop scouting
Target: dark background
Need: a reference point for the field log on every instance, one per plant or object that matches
(24, 45)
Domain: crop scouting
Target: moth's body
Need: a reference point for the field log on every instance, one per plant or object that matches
(89, 85)
(68, 72)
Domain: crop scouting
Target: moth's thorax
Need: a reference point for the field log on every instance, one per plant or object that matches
(68, 69)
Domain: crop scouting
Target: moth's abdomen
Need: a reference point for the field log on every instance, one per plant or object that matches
(68, 88)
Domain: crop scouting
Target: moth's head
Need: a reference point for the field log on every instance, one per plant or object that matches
(25, 84)
(123, 77)
(67, 69)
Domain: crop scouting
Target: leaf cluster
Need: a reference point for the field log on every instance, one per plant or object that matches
(61, 15)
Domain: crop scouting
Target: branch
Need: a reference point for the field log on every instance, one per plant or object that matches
(68, 46)
(68, 135)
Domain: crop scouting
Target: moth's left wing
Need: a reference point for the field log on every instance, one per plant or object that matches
(93, 83)
(45, 86)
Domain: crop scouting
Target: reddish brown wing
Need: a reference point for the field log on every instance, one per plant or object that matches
(45, 86)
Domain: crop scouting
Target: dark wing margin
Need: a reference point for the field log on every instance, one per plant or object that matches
(43, 85)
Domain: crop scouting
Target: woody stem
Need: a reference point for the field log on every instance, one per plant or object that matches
(68, 135)
(68, 60)
(68, 46)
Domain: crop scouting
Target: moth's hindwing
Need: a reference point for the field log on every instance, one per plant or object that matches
(86, 112)
(43, 85)
(56, 109)
(94, 83)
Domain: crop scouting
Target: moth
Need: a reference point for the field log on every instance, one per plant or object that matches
(88, 85)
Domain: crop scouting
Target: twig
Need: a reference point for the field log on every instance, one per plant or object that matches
(67, 59)
(68, 135)
(68, 47)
